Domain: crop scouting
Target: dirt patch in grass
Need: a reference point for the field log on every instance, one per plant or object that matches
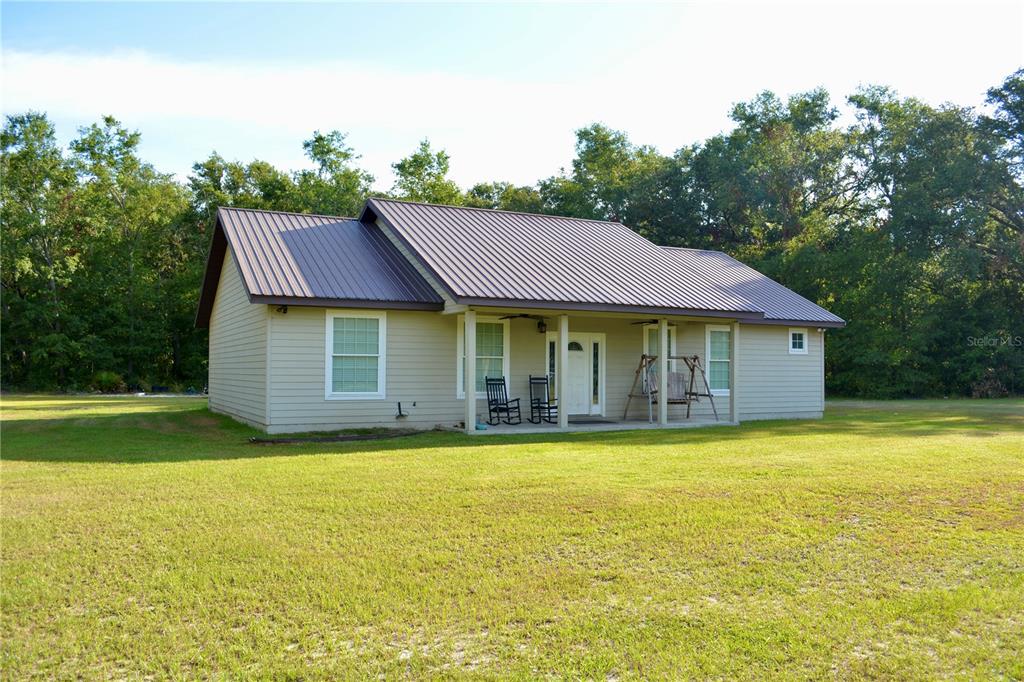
(191, 424)
(382, 434)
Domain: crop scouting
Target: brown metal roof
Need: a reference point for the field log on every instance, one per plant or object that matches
(484, 256)
(302, 259)
(778, 303)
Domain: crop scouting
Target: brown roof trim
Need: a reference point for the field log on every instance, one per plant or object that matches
(609, 308)
(344, 303)
(800, 323)
(211, 275)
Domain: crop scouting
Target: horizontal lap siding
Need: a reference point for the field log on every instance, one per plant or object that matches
(420, 369)
(527, 358)
(775, 384)
(238, 350)
(692, 340)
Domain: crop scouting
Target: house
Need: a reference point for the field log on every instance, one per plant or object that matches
(321, 323)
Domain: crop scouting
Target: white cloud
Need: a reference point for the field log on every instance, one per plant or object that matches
(669, 91)
(386, 113)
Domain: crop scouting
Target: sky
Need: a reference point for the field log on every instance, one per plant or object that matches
(501, 88)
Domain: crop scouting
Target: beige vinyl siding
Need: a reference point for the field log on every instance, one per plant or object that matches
(238, 350)
(420, 372)
(775, 384)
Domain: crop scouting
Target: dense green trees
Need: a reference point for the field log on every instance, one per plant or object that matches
(908, 222)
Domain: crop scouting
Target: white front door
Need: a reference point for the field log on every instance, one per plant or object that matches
(578, 378)
(585, 375)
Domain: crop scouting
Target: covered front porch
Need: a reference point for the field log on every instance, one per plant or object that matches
(593, 362)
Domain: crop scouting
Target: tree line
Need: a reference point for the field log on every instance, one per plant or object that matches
(908, 222)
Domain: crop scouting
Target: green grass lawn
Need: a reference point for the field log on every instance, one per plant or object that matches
(146, 537)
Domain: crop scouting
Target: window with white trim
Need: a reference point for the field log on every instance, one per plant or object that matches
(719, 358)
(356, 363)
(492, 352)
(651, 343)
(651, 338)
(798, 341)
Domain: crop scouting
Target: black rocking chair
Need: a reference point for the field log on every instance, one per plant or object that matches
(542, 406)
(499, 407)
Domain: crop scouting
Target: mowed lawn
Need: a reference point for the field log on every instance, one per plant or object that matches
(147, 537)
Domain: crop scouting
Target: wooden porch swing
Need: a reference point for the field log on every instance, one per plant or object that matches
(682, 390)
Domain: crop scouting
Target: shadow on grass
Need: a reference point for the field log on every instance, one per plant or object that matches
(194, 433)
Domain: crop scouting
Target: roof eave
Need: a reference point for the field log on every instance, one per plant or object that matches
(824, 324)
(219, 246)
(346, 303)
(582, 306)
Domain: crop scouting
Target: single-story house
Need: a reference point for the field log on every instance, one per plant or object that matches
(321, 323)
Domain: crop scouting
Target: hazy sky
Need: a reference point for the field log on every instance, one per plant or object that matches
(500, 87)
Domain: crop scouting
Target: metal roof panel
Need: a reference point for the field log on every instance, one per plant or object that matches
(502, 255)
(776, 301)
(297, 255)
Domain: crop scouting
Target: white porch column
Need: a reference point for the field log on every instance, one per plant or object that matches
(469, 370)
(662, 366)
(562, 371)
(734, 365)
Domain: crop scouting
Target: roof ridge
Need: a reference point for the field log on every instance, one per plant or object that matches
(497, 210)
(297, 213)
(690, 248)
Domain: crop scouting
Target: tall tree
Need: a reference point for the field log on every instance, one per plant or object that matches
(336, 187)
(504, 196)
(606, 176)
(131, 207)
(423, 176)
(216, 182)
(1005, 129)
(41, 254)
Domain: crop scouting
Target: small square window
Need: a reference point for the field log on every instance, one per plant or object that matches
(798, 341)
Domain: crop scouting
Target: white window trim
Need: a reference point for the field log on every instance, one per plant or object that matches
(707, 357)
(789, 336)
(673, 342)
(382, 362)
(460, 345)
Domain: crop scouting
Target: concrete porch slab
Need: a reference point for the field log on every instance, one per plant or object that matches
(584, 426)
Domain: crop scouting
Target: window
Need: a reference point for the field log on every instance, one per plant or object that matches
(719, 358)
(491, 352)
(651, 338)
(552, 354)
(798, 341)
(651, 342)
(355, 361)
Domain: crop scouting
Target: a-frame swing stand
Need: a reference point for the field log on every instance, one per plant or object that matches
(680, 391)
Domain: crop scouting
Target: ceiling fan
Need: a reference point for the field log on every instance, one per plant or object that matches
(542, 325)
